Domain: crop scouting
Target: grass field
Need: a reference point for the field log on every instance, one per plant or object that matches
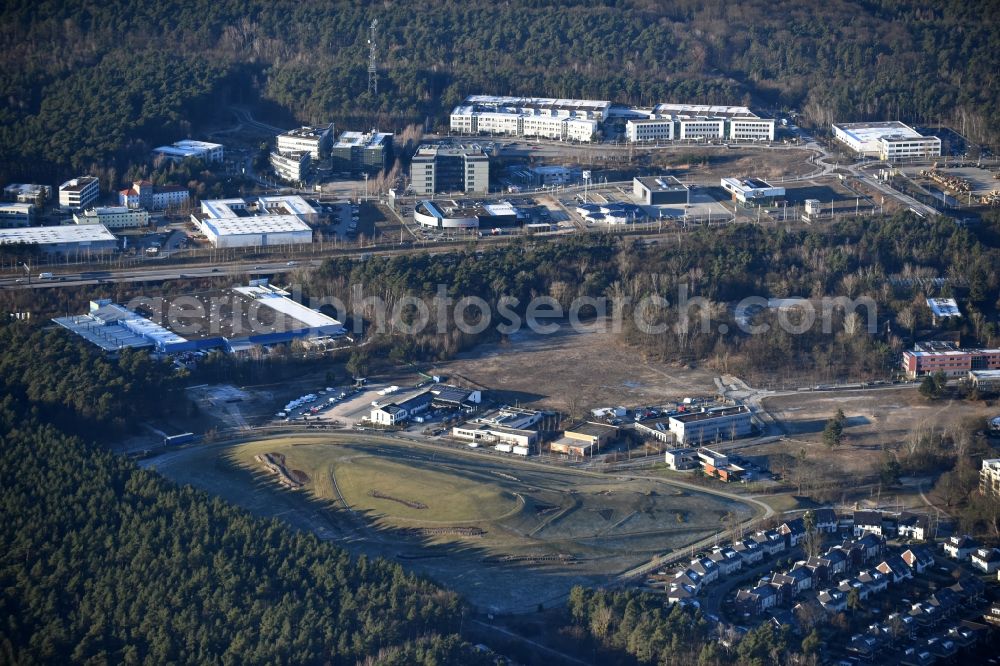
(506, 534)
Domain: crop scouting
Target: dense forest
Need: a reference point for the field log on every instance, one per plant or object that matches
(887, 260)
(87, 83)
(105, 563)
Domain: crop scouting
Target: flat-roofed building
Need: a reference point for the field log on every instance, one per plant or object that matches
(668, 122)
(987, 381)
(359, 152)
(753, 192)
(79, 192)
(278, 220)
(943, 308)
(659, 190)
(313, 140)
(449, 169)
(16, 215)
(397, 412)
(680, 459)
(989, 477)
(559, 119)
(641, 130)
(486, 434)
(143, 194)
(68, 240)
(291, 167)
(890, 141)
(26, 192)
(722, 423)
(931, 357)
(588, 435)
(234, 320)
(191, 149)
(113, 217)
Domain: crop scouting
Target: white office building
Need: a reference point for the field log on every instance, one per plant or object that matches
(649, 129)
(723, 424)
(313, 140)
(143, 194)
(67, 239)
(890, 141)
(79, 192)
(668, 122)
(189, 148)
(114, 217)
(547, 118)
(291, 166)
(752, 191)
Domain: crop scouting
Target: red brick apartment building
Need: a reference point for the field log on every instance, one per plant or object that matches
(947, 357)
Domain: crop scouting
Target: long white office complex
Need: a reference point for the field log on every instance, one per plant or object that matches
(670, 122)
(561, 119)
(890, 141)
(581, 120)
(256, 222)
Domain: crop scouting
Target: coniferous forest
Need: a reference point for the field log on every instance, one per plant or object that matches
(87, 83)
(105, 563)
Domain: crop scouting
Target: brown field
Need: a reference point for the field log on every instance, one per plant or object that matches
(576, 370)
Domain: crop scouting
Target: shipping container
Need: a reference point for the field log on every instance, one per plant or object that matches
(503, 448)
(521, 450)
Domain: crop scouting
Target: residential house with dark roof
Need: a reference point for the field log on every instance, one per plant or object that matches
(960, 547)
(772, 542)
(849, 584)
(867, 521)
(836, 560)
(794, 531)
(708, 569)
(826, 520)
(865, 646)
(918, 558)
(874, 580)
(819, 569)
(917, 656)
(688, 577)
(799, 577)
(894, 567)
(903, 624)
(749, 551)
(756, 600)
(872, 546)
(912, 526)
(832, 600)
(947, 601)
(942, 648)
(970, 588)
(986, 560)
(727, 560)
(679, 593)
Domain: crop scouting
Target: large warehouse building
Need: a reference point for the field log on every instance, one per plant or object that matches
(256, 222)
(890, 141)
(560, 119)
(67, 240)
(234, 321)
(450, 169)
(669, 122)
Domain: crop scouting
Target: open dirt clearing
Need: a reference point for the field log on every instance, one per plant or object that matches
(572, 370)
(505, 534)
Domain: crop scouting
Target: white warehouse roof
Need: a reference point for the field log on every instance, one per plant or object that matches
(867, 132)
(85, 233)
(261, 224)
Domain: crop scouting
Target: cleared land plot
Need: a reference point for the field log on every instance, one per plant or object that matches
(574, 370)
(875, 417)
(506, 535)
